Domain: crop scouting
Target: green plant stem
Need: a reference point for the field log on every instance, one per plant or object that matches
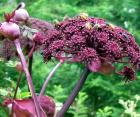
(32, 50)
(74, 93)
(48, 79)
(30, 64)
(28, 76)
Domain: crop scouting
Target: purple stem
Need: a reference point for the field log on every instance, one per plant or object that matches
(48, 79)
(28, 76)
(74, 93)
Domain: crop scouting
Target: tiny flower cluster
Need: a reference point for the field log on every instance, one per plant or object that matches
(92, 41)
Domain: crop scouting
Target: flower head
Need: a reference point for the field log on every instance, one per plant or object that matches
(92, 40)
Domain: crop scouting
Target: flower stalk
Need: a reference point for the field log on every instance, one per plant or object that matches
(30, 64)
(28, 76)
(74, 93)
(48, 79)
(18, 82)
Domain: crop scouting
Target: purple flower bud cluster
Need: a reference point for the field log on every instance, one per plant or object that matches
(7, 49)
(40, 24)
(92, 40)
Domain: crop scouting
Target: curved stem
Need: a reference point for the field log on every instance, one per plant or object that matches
(74, 93)
(15, 94)
(32, 51)
(18, 82)
(48, 79)
(28, 76)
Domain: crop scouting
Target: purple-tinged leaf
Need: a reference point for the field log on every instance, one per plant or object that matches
(26, 107)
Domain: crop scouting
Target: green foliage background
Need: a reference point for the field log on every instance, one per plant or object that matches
(99, 96)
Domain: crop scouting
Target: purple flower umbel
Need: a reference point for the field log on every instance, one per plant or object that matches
(92, 41)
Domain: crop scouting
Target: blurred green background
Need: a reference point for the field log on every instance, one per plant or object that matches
(101, 93)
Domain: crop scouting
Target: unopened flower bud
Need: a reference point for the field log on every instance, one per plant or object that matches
(10, 30)
(19, 67)
(21, 15)
(39, 38)
(94, 66)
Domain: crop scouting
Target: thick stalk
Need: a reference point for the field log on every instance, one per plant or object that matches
(28, 76)
(74, 93)
(48, 79)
